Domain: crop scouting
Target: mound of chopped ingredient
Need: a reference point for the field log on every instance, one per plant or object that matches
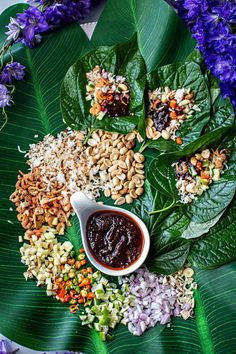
(109, 94)
(108, 308)
(44, 257)
(168, 110)
(36, 206)
(155, 298)
(62, 165)
(195, 174)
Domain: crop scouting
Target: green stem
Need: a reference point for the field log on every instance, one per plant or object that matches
(12, 88)
(4, 117)
(90, 131)
(4, 49)
(143, 147)
(164, 209)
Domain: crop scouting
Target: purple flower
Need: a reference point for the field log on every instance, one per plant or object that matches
(33, 23)
(55, 15)
(194, 8)
(66, 11)
(211, 23)
(41, 2)
(5, 97)
(14, 29)
(228, 91)
(12, 71)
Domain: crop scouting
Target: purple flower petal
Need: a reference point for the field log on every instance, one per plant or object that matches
(12, 71)
(4, 96)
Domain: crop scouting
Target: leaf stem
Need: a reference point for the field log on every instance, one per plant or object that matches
(164, 209)
(90, 131)
(143, 147)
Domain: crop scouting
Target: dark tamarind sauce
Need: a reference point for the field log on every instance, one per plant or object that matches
(114, 238)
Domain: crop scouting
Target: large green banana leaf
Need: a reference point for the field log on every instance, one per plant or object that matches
(27, 315)
(162, 36)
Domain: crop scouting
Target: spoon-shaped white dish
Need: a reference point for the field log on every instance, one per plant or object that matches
(84, 208)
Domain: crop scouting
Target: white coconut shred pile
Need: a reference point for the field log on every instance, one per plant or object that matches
(62, 161)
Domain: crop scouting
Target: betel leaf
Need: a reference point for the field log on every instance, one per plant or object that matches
(169, 258)
(161, 145)
(230, 145)
(186, 76)
(218, 246)
(213, 201)
(195, 56)
(223, 116)
(151, 199)
(162, 36)
(168, 251)
(211, 81)
(222, 112)
(124, 60)
(161, 174)
(197, 229)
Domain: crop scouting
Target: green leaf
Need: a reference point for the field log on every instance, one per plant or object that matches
(162, 36)
(218, 246)
(149, 201)
(161, 175)
(170, 258)
(197, 229)
(222, 112)
(124, 60)
(186, 76)
(161, 145)
(122, 125)
(213, 201)
(195, 56)
(168, 251)
(222, 117)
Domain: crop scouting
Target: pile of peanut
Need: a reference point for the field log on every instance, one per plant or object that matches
(123, 169)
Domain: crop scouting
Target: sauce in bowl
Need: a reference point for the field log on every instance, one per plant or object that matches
(115, 239)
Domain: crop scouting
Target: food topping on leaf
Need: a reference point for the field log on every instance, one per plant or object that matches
(168, 110)
(195, 174)
(109, 94)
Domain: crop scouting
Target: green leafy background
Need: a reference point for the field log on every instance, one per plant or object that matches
(27, 315)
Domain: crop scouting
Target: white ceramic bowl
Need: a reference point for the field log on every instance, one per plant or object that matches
(83, 208)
